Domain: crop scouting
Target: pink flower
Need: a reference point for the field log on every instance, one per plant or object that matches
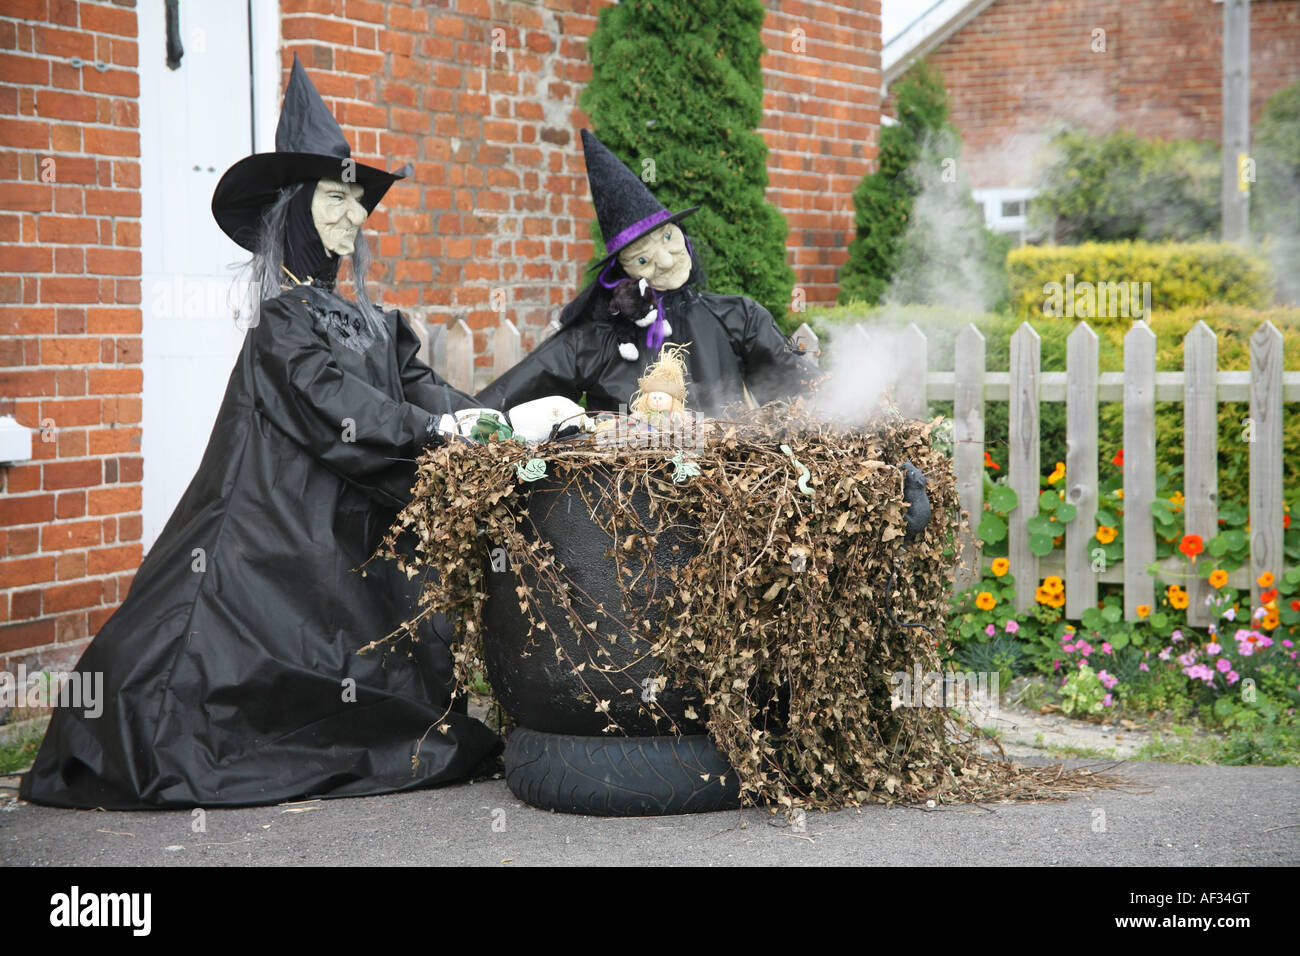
(1223, 664)
(1230, 614)
(1213, 630)
(1187, 659)
(1108, 701)
(1084, 662)
(1084, 648)
(1106, 648)
(990, 630)
(1143, 666)
(1068, 648)
(1012, 627)
(1213, 649)
(1164, 655)
(1176, 636)
(1107, 680)
(1233, 677)
(1287, 644)
(1056, 665)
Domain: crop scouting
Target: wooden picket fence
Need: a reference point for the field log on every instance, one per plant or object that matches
(1199, 387)
(449, 350)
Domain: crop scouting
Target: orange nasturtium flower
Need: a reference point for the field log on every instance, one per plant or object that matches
(1001, 566)
(1057, 474)
(1054, 584)
(985, 601)
(1119, 493)
(1191, 545)
(989, 462)
(1177, 499)
(1118, 460)
(1218, 578)
(1143, 610)
(1106, 534)
(1177, 597)
(1266, 596)
(1265, 580)
(1271, 620)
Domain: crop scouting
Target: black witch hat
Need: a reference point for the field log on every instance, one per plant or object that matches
(309, 144)
(625, 207)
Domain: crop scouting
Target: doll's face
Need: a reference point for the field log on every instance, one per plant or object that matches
(337, 211)
(660, 257)
(659, 402)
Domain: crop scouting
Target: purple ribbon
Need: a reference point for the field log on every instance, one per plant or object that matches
(637, 229)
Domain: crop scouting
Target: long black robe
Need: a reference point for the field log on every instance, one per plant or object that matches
(734, 342)
(227, 666)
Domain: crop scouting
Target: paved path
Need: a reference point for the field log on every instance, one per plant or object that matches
(1168, 815)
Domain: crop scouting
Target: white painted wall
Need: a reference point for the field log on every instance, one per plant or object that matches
(194, 123)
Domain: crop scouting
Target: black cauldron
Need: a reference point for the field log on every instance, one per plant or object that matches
(539, 690)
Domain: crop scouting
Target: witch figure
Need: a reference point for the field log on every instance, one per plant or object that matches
(231, 670)
(650, 291)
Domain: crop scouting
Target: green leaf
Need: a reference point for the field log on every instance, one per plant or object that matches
(1041, 544)
(1236, 540)
(1107, 518)
(1111, 613)
(1159, 620)
(1218, 545)
(1092, 619)
(1066, 512)
(1003, 499)
(1138, 638)
(992, 528)
(1119, 640)
(1040, 524)
(1048, 501)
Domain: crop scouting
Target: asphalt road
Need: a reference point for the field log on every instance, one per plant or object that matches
(1166, 815)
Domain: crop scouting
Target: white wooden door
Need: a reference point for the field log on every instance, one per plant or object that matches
(195, 121)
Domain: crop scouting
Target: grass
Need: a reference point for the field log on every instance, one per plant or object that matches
(1271, 745)
(19, 754)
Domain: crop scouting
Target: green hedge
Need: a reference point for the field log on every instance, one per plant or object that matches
(1181, 274)
(1232, 325)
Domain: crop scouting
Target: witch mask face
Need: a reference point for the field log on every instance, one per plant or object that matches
(337, 212)
(660, 257)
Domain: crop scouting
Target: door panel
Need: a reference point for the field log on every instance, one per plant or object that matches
(195, 122)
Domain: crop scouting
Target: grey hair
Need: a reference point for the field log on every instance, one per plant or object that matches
(266, 275)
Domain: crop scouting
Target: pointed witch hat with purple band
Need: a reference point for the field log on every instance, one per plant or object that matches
(309, 144)
(625, 207)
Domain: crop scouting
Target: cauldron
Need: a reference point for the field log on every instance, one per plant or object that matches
(561, 756)
(540, 691)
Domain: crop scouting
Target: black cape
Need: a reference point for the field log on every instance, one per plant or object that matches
(734, 342)
(227, 666)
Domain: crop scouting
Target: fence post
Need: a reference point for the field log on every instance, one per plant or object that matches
(913, 360)
(507, 349)
(805, 340)
(1200, 453)
(460, 356)
(1080, 468)
(968, 446)
(1023, 465)
(1264, 432)
(1139, 467)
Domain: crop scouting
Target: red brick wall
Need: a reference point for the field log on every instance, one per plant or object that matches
(1022, 65)
(821, 119)
(498, 204)
(69, 317)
